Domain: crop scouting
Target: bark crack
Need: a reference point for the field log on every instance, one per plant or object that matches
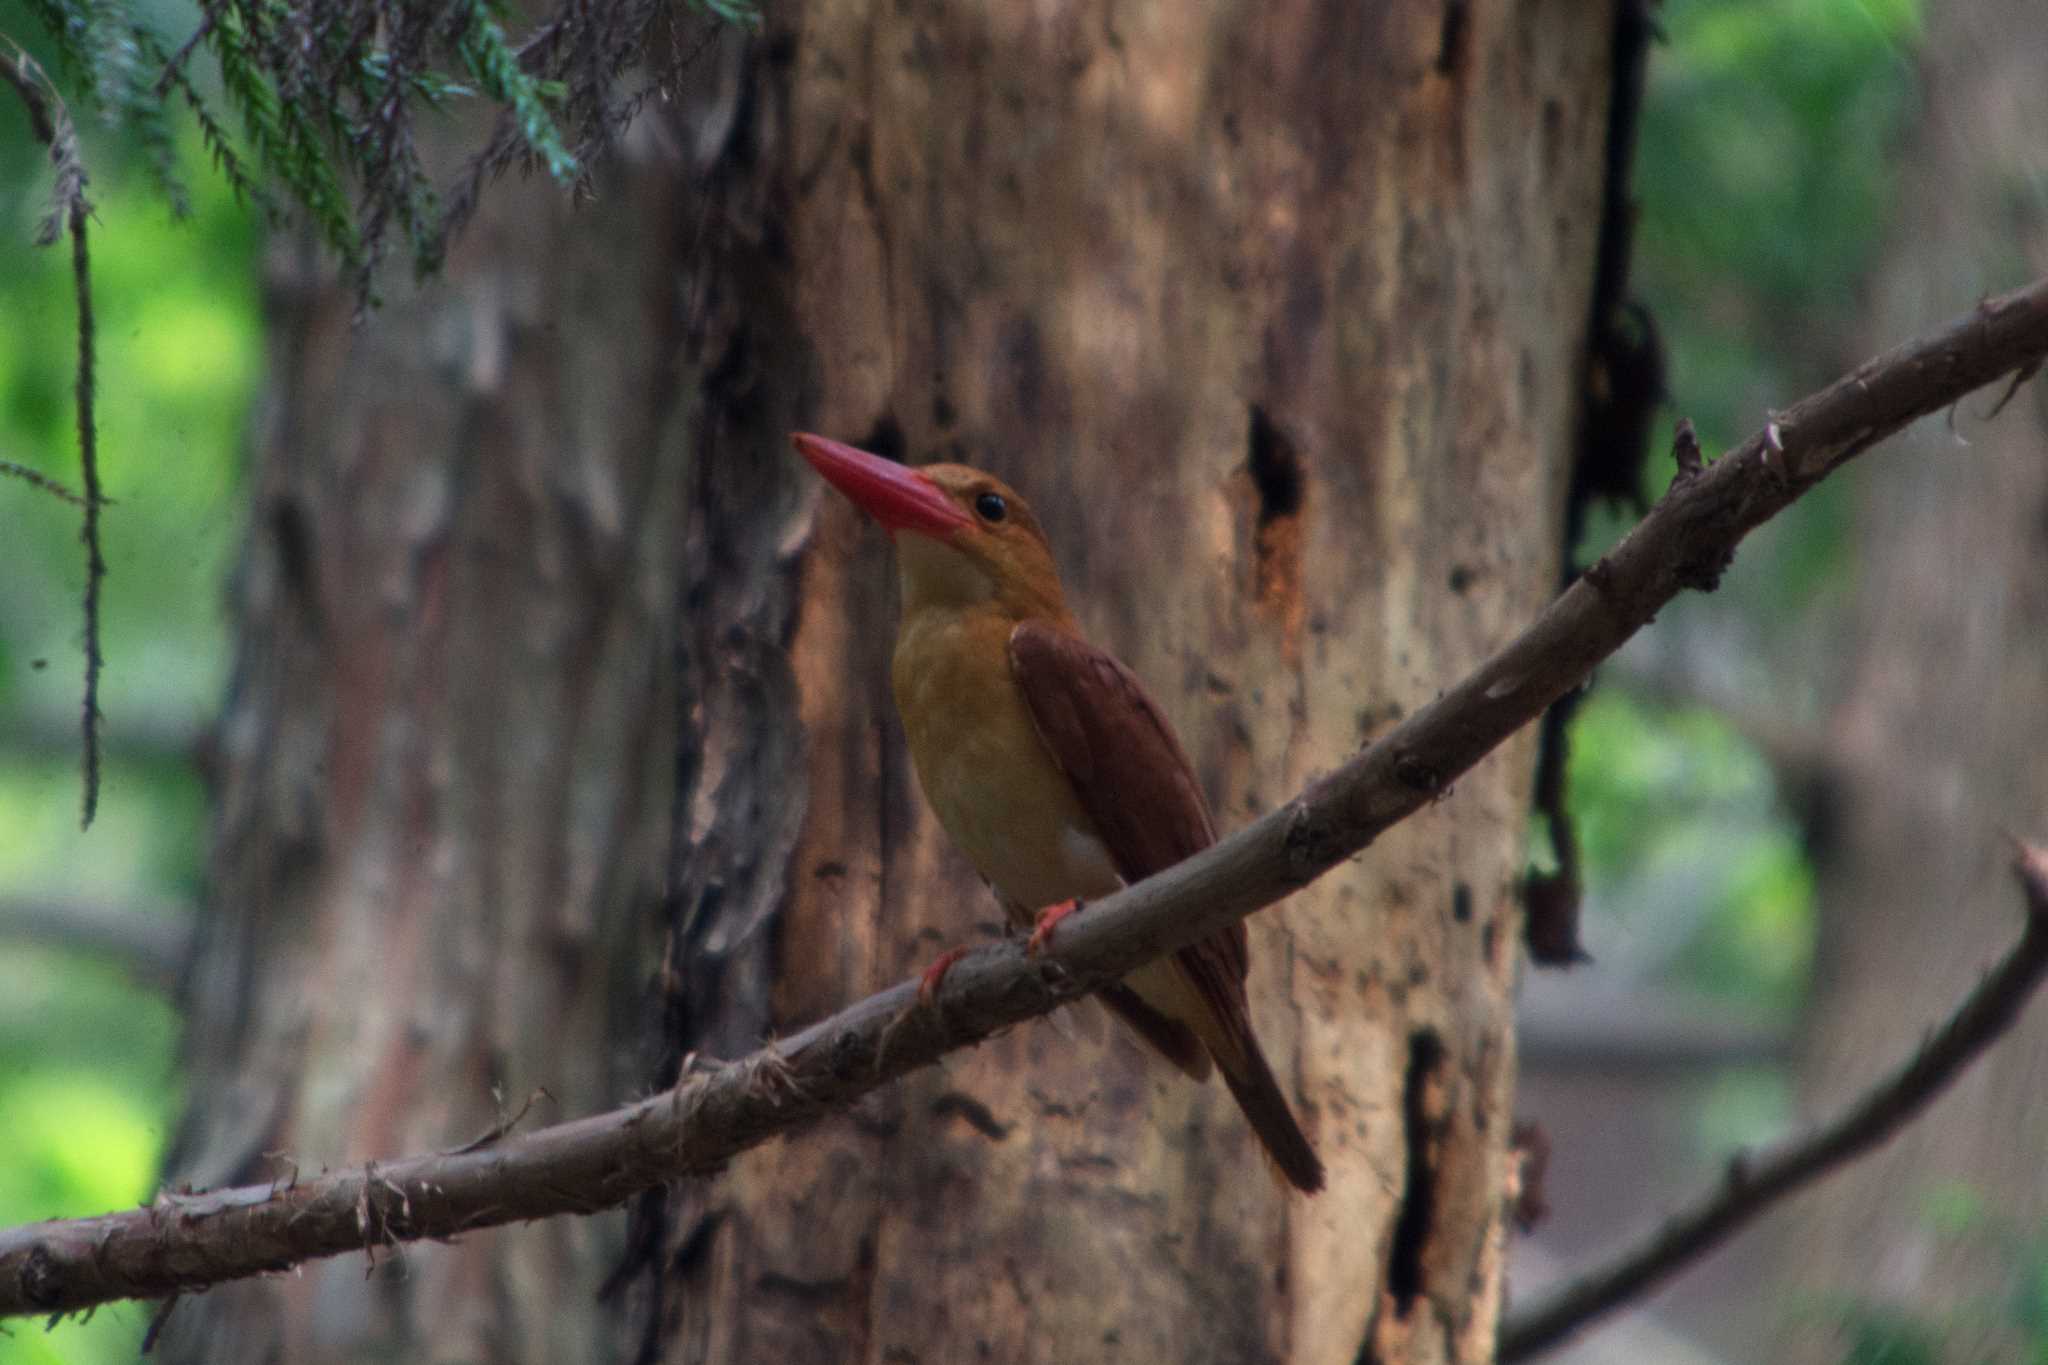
(1422, 1124)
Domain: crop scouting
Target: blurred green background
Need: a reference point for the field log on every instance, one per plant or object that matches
(88, 1039)
(1762, 174)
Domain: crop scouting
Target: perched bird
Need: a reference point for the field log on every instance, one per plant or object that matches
(1046, 761)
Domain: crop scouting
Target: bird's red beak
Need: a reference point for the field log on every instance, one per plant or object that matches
(895, 495)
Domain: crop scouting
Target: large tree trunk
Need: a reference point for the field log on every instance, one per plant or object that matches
(1275, 313)
(445, 763)
(1938, 730)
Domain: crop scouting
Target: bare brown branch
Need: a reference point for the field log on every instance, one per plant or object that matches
(189, 1241)
(1753, 1184)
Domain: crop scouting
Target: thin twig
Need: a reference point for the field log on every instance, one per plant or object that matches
(20, 71)
(190, 1241)
(1753, 1184)
(89, 468)
(35, 478)
(70, 209)
(174, 65)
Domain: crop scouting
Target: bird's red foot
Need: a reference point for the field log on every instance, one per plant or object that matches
(1047, 920)
(934, 975)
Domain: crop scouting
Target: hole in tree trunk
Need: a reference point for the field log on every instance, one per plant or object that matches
(886, 439)
(1418, 1198)
(1280, 483)
(1450, 51)
(1275, 469)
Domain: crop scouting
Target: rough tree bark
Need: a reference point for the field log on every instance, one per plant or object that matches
(444, 768)
(553, 654)
(1935, 760)
(1274, 311)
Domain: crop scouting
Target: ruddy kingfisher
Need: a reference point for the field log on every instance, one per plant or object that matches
(1048, 764)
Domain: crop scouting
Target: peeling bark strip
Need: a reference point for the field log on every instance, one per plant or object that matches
(186, 1242)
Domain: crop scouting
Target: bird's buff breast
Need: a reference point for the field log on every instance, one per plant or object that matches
(986, 773)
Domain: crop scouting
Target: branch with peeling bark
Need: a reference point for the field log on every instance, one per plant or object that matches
(1753, 1184)
(188, 1241)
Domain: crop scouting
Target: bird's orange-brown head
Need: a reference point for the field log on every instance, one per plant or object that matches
(964, 538)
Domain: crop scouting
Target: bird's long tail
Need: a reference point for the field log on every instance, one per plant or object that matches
(1197, 991)
(1253, 1086)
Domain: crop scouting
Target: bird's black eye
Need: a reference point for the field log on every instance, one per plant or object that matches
(991, 507)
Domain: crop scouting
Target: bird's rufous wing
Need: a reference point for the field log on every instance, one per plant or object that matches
(1135, 783)
(1133, 778)
(1115, 746)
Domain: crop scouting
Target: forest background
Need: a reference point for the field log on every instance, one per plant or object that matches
(1768, 177)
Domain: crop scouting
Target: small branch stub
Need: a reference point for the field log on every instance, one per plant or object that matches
(1685, 449)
